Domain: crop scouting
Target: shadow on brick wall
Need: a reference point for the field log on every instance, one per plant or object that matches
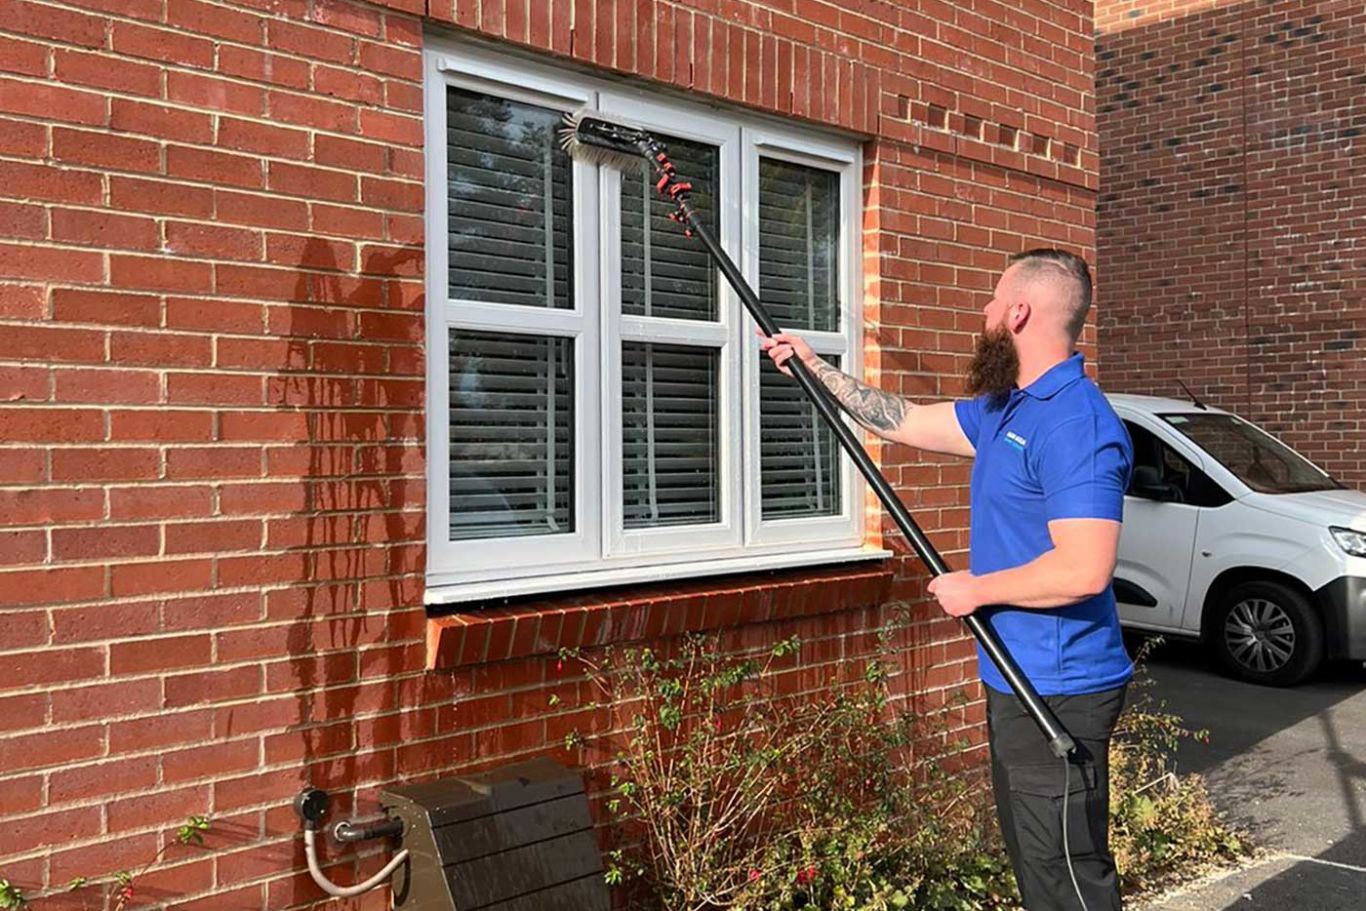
(349, 543)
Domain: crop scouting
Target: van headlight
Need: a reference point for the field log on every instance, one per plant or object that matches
(1354, 542)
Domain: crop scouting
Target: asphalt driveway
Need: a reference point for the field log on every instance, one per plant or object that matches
(1288, 765)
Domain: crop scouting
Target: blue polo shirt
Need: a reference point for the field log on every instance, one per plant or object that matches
(1054, 450)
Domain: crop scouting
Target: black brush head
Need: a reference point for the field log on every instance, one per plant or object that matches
(594, 138)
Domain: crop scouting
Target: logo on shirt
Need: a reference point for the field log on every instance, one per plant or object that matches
(1014, 439)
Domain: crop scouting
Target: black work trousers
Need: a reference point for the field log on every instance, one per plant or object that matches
(1029, 783)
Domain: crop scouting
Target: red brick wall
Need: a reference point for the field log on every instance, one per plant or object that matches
(211, 412)
(1232, 218)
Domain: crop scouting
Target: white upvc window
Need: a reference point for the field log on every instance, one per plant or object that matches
(598, 409)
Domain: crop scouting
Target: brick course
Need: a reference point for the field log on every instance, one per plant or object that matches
(211, 425)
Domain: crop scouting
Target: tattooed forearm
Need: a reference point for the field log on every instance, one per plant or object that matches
(873, 408)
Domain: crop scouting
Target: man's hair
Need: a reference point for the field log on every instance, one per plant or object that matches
(1044, 261)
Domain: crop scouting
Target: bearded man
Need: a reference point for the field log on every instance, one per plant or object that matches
(1051, 463)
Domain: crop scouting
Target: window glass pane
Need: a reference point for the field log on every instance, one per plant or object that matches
(663, 272)
(509, 203)
(799, 459)
(799, 222)
(670, 472)
(511, 435)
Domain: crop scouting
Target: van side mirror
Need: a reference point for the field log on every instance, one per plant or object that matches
(1148, 483)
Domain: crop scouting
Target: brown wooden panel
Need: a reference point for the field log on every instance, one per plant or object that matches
(587, 894)
(519, 871)
(452, 800)
(517, 837)
(474, 838)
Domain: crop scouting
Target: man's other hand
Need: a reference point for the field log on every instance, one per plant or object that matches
(957, 593)
(781, 347)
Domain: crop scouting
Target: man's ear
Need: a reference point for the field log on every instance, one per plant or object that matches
(1018, 315)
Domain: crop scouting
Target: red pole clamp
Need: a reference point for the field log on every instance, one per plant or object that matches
(681, 219)
(677, 190)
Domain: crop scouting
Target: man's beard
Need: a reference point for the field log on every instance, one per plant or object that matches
(995, 364)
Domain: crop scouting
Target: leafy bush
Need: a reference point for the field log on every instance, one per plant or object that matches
(750, 782)
(1162, 825)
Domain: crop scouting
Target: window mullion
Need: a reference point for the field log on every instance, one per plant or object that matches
(587, 291)
(611, 449)
(645, 244)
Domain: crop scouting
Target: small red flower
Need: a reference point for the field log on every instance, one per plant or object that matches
(754, 876)
(559, 666)
(806, 876)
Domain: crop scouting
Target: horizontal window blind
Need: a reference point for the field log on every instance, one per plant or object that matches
(663, 272)
(511, 434)
(799, 219)
(799, 460)
(510, 206)
(670, 450)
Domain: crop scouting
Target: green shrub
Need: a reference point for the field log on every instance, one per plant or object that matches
(1162, 824)
(750, 782)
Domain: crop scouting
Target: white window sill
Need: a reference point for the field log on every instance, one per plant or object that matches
(573, 583)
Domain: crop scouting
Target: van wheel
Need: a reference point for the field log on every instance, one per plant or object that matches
(1267, 633)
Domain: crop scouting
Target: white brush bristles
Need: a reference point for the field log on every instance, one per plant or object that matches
(579, 137)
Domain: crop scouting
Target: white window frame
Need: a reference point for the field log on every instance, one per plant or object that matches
(601, 551)
(847, 343)
(670, 543)
(492, 558)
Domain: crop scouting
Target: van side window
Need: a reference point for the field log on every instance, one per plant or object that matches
(1176, 477)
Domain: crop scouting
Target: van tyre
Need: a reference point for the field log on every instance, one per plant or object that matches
(1267, 633)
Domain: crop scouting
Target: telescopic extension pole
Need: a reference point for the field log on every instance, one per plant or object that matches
(591, 137)
(1059, 740)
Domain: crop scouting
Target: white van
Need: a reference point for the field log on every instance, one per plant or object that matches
(1232, 537)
